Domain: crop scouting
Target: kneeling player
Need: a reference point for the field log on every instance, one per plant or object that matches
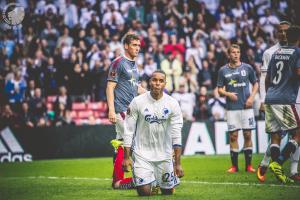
(152, 130)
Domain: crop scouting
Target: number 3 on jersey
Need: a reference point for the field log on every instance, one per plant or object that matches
(278, 76)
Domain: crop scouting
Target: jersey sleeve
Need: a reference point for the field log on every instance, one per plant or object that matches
(176, 124)
(114, 71)
(130, 123)
(221, 78)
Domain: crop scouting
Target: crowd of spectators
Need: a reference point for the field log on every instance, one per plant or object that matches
(64, 48)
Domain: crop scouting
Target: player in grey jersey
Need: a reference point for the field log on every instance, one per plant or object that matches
(282, 103)
(234, 81)
(122, 87)
(264, 164)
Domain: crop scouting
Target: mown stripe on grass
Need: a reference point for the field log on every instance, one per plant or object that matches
(182, 181)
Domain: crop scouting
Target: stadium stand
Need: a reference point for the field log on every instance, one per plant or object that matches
(72, 43)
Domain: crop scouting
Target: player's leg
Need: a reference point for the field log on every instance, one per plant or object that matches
(166, 177)
(248, 124)
(144, 190)
(264, 164)
(119, 182)
(143, 175)
(234, 124)
(248, 150)
(274, 124)
(294, 174)
(234, 151)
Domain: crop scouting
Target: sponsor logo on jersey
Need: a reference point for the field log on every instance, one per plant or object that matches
(234, 83)
(152, 118)
(10, 148)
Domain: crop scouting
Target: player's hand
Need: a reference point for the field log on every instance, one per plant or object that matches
(126, 165)
(178, 170)
(112, 117)
(249, 103)
(232, 96)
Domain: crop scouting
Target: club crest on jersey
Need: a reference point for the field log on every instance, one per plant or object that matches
(113, 74)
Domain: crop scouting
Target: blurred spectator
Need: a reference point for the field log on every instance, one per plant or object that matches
(70, 14)
(187, 102)
(25, 118)
(7, 117)
(268, 22)
(37, 107)
(202, 109)
(137, 12)
(100, 73)
(173, 69)
(217, 106)
(150, 66)
(15, 88)
(205, 76)
(62, 116)
(63, 98)
(29, 94)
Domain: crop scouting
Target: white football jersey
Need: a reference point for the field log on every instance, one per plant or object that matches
(152, 126)
(263, 70)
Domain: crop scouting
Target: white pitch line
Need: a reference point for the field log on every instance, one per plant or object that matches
(182, 181)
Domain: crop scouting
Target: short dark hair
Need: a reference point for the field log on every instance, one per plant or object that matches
(293, 34)
(159, 71)
(233, 46)
(129, 37)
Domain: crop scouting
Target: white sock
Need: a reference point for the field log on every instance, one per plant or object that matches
(267, 157)
(294, 161)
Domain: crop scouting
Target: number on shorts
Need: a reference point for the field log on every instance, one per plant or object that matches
(278, 76)
(168, 177)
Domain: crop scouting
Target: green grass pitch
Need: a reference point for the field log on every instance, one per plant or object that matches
(205, 178)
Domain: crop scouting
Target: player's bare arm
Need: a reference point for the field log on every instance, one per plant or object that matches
(127, 164)
(231, 95)
(177, 166)
(250, 99)
(110, 101)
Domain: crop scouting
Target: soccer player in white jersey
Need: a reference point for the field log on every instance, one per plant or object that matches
(152, 131)
(263, 166)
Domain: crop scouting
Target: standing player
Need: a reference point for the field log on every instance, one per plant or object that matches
(282, 103)
(152, 130)
(263, 166)
(234, 82)
(121, 88)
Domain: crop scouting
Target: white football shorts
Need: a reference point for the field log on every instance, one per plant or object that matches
(240, 119)
(146, 172)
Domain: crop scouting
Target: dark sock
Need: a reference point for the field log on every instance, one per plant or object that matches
(248, 156)
(289, 149)
(275, 152)
(234, 158)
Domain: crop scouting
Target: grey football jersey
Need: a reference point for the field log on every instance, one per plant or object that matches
(284, 83)
(125, 73)
(237, 80)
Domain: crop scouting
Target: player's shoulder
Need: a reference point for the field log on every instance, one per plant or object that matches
(117, 62)
(272, 49)
(247, 66)
(170, 99)
(223, 68)
(141, 98)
